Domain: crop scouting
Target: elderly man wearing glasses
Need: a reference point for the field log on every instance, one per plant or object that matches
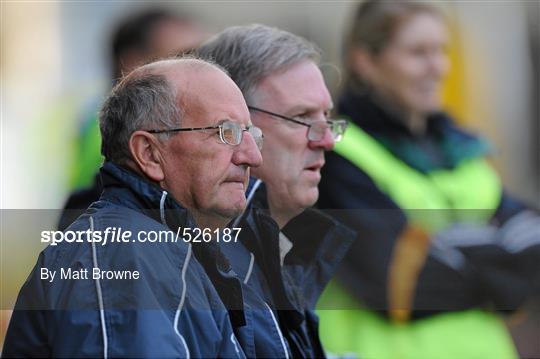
(288, 251)
(178, 143)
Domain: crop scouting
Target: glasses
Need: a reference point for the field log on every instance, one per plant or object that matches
(230, 132)
(316, 130)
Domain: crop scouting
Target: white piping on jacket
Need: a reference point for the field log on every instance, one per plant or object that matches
(100, 295)
(279, 332)
(162, 207)
(250, 268)
(235, 343)
(182, 299)
(256, 185)
(184, 285)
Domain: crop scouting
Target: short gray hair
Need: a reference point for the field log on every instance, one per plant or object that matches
(139, 101)
(252, 52)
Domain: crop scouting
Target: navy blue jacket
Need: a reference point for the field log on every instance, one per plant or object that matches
(172, 310)
(280, 299)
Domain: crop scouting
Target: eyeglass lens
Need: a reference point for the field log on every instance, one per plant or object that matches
(338, 128)
(317, 130)
(231, 133)
(257, 135)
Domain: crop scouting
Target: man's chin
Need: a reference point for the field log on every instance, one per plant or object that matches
(233, 209)
(309, 198)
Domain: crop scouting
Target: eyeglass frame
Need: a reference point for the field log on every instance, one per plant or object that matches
(218, 127)
(291, 119)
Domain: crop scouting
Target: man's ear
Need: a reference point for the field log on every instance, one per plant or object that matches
(145, 150)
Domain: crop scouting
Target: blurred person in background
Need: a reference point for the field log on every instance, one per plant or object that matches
(288, 251)
(178, 144)
(440, 238)
(146, 36)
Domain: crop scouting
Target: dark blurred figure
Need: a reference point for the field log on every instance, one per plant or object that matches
(139, 39)
(150, 35)
(440, 239)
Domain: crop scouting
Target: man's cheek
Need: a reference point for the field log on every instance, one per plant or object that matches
(206, 187)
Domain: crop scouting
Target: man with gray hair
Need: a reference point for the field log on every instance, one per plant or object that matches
(289, 258)
(178, 143)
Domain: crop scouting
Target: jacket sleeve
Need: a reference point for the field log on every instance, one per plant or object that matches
(504, 260)
(508, 207)
(39, 327)
(62, 319)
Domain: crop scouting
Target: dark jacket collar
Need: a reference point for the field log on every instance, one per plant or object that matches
(261, 237)
(311, 233)
(126, 188)
(373, 115)
(319, 244)
(442, 146)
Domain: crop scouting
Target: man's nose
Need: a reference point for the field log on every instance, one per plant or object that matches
(326, 143)
(247, 153)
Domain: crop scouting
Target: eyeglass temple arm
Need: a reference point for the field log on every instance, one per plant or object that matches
(185, 129)
(278, 116)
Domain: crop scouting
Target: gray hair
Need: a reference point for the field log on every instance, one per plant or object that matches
(140, 101)
(252, 52)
